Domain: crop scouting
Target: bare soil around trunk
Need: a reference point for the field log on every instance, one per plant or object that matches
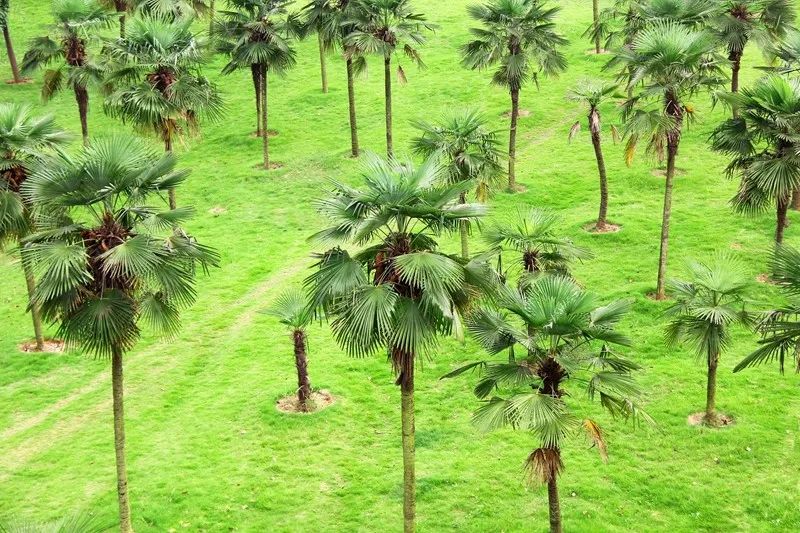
(320, 400)
(608, 228)
(50, 346)
(699, 419)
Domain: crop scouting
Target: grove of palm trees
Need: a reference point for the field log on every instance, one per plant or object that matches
(399, 265)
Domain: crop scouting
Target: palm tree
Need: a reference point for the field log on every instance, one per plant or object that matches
(293, 312)
(256, 34)
(763, 143)
(12, 56)
(739, 21)
(77, 22)
(109, 261)
(519, 37)
(706, 307)
(381, 27)
(173, 9)
(674, 62)
(558, 340)
(156, 80)
(780, 328)
(399, 294)
(592, 94)
(534, 235)
(471, 153)
(23, 141)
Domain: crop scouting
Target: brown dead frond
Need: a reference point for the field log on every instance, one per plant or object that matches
(543, 465)
(595, 434)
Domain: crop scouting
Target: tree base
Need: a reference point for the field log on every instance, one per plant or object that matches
(50, 346)
(522, 113)
(608, 228)
(23, 81)
(320, 400)
(720, 420)
(593, 52)
(272, 166)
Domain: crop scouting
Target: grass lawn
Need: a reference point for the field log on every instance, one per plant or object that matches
(208, 451)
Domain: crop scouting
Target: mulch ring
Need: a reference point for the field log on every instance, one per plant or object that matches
(50, 346)
(321, 399)
(609, 228)
(522, 113)
(698, 419)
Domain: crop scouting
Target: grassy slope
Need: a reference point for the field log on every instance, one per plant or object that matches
(207, 449)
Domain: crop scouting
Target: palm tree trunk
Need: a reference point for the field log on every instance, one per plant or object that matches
(464, 229)
(601, 169)
(711, 390)
(301, 362)
(212, 12)
(125, 525)
(596, 20)
(387, 85)
(82, 97)
(796, 199)
(512, 140)
(323, 67)
(122, 26)
(782, 208)
(36, 313)
(255, 72)
(12, 57)
(672, 150)
(351, 100)
(554, 506)
(408, 432)
(264, 108)
(173, 203)
(736, 65)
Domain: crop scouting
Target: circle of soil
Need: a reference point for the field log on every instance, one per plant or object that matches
(271, 133)
(522, 113)
(217, 211)
(50, 346)
(652, 296)
(609, 228)
(516, 189)
(765, 278)
(698, 419)
(272, 166)
(320, 400)
(23, 81)
(593, 52)
(662, 172)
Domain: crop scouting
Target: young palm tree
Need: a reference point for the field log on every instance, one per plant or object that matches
(23, 142)
(381, 27)
(156, 81)
(559, 341)
(534, 235)
(256, 34)
(519, 37)
(293, 312)
(780, 328)
(12, 56)
(674, 63)
(77, 23)
(471, 153)
(399, 293)
(109, 260)
(763, 143)
(706, 307)
(593, 94)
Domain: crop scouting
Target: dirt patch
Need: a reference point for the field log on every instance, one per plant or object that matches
(652, 296)
(608, 228)
(699, 419)
(50, 346)
(593, 52)
(20, 82)
(217, 211)
(522, 113)
(320, 400)
(662, 172)
(272, 166)
(765, 278)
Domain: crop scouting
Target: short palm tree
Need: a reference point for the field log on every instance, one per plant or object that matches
(109, 260)
(156, 82)
(763, 143)
(779, 328)
(257, 34)
(471, 153)
(66, 55)
(398, 294)
(382, 27)
(24, 139)
(592, 94)
(674, 63)
(12, 56)
(292, 310)
(559, 343)
(706, 306)
(534, 235)
(519, 38)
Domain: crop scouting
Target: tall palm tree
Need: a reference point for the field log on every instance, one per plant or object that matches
(256, 34)
(109, 260)
(592, 94)
(24, 139)
(534, 235)
(559, 340)
(763, 143)
(12, 56)
(779, 328)
(739, 21)
(156, 80)
(519, 37)
(399, 293)
(471, 153)
(381, 27)
(293, 312)
(674, 63)
(706, 306)
(77, 23)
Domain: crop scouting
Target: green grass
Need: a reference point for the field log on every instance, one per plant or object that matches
(207, 449)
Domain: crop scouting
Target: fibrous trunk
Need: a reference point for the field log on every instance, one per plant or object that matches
(82, 97)
(255, 71)
(674, 110)
(351, 100)
(387, 86)
(264, 120)
(119, 442)
(736, 65)
(12, 57)
(464, 229)
(301, 363)
(554, 506)
(512, 140)
(323, 67)
(782, 208)
(36, 313)
(711, 390)
(406, 380)
(173, 202)
(601, 169)
(596, 20)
